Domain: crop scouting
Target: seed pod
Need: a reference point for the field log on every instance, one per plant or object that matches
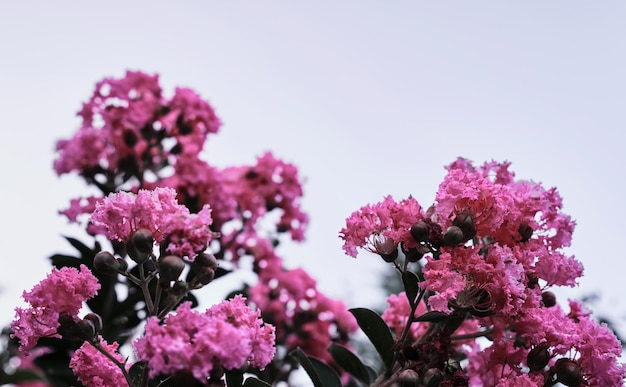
(420, 231)
(452, 237)
(465, 222)
(139, 247)
(538, 357)
(548, 299)
(170, 268)
(95, 319)
(105, 263)
(86, 329)
(569, 373)
(433, 377)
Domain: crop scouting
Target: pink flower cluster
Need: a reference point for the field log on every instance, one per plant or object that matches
(304, 317)
(493, 246)
(62, 292)
(96, 370)
(159, 212)
(381, 227)
(125, 122)
(242, 193)
(228, 335)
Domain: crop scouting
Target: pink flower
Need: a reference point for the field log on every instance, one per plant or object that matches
(157, 211)
(227, 335)
(61, 292)
(268, 185)
(93, 369)
(383, 222)
(303, 316)
(190, 120)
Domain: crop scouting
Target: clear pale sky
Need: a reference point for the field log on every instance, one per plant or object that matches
(367, 98)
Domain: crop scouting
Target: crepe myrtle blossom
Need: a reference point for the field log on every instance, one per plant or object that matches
(492, 246)
(157, 211)
(227, 336)
(61, 293)
(125, 122)
(304, 317)
(94, 369)
(269, 184)
(380, 227)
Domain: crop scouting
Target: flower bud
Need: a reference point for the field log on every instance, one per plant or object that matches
(433, 377)
(105, 263)
(205, 260)
(420, 231)
(86, 329)
(548, 299)
(139, 247)
(95, 319)
(170, 268)
(538, 357)
(408, 378)
(569, 373)
(143, 241)
(452, 237)
(465, 222)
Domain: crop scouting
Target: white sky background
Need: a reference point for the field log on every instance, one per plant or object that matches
(367, 98)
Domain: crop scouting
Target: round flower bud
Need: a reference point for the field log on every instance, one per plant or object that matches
(452, 237)
(105, 263)
(95, 319)
(86, 329)
(409, 378)
(170, 268)
(205, 260)
(538, 357)
(433, 377)
(143, 241)
(569, 373)
(548, 299)
(139, 247)
(420, 231)
(465, 222)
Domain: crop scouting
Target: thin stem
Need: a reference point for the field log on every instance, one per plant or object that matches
(472, 335)
(146, 291)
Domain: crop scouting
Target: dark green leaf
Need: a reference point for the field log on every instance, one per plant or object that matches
(234, 378)
(80, 246)
(62, 260)
(349, 362)
(136, 373)
(377, 331)
(254, 382)
(432, 316)
(321, 374)
(371, 372)
(411, 286)
(454, 322)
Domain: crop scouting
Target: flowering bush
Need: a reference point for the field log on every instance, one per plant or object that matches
(477, 268)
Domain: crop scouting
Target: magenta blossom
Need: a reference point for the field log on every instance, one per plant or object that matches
(380, 227)
(227, 335)
(61, 292)
(93, 369)
(157, 211)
